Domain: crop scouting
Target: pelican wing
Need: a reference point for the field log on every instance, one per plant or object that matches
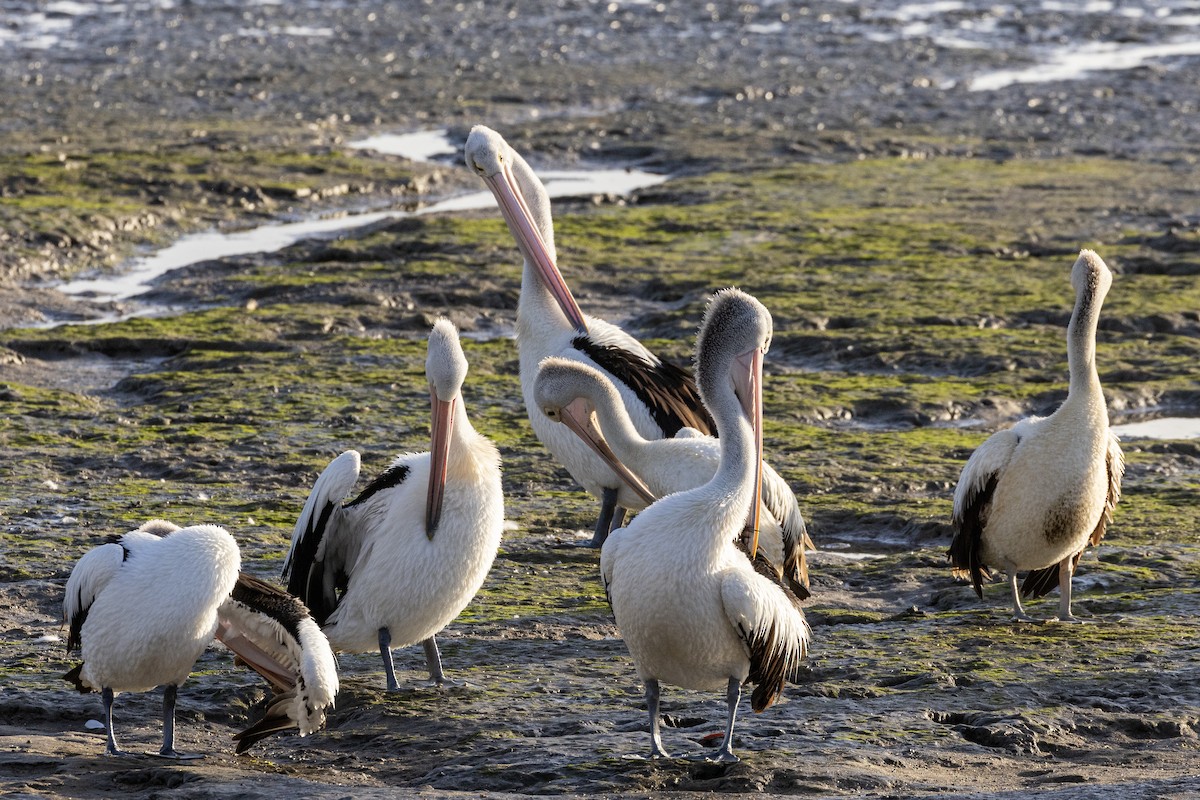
(1115, 464)
(273, 633)
(768, 619)
(88, 578)
(780, 501)
(972, 502)
(310, 575)
(608, 559)
(669, 391)
(1040, 582)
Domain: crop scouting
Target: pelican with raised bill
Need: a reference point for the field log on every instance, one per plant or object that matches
(142, 607)
(1033, 497)
(394, 565)
(580, 397)
(692, 607)
(660, 397)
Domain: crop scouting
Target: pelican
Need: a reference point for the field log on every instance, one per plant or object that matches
(583, 399)
(1033, 497)
(397, 563)
(691, 606)
(143, 606)
(661, 397)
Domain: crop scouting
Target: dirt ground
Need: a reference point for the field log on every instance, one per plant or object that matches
(913, 687)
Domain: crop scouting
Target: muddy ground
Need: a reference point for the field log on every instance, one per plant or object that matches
(912, 239)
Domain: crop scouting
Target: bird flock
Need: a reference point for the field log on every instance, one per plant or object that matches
(705, 581)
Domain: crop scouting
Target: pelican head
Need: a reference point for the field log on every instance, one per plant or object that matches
(525, 206)
(1090, 274)
(569, 392)
(446, 369)
(733, 338)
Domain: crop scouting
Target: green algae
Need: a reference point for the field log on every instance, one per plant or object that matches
(82, 208)
(909, 299)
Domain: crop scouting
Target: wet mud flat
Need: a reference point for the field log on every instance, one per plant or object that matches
(873, 210)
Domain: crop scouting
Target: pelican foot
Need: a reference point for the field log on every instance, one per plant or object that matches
(175, 755)
(1071, 619)
(119, 753)
(1025, 619)
(447, 685)
(721, 757)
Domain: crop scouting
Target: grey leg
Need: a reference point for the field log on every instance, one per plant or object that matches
(1019, 614)
(434, 661)
(618, 519)
(656, 748)
(1064, 592)
(608, 507)
(385, 652)
(110, 747)
(732, 694)
(168, 746)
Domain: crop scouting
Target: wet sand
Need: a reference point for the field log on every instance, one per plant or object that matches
(913, 689)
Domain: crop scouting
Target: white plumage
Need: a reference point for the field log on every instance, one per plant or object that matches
(660, 397)
(396, 564)
(1034, 496)
(690, 605)
(584, 400)
(143, 607)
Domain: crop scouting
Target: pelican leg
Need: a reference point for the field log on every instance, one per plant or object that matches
(168, 746)
(618, 519)
(608, 508)
(656, 748)
(385, 652)
(732, 694)
(110, 747)
(1065, 573)
(433, 659)
(1019, 614)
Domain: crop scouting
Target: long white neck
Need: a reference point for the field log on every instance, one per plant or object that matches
(732, 485)
(470, 452)
(1081, 347)
(618, 428)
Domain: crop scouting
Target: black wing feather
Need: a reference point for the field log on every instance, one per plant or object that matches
(966, 550)
(668, 390)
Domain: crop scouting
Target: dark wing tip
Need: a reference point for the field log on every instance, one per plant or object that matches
(75, 677)
(274, 720)
(1040, 582)
(966, 549)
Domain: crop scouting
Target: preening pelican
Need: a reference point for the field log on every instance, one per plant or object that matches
(583, 399)
(661, 397)
(397, 563)
(142, 608)
(1033, 497)
(691, 606)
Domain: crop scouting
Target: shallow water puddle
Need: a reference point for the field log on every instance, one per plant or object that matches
(1162, 428)
(1074, 61)
(272, 237)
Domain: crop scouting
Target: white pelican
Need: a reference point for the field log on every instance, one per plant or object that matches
(691, 606)
(401, 560)
(661, 397)
(583, 399)
(142, 608)
(1034, 496)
